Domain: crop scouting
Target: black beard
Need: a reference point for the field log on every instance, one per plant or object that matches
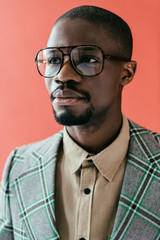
(69, 119)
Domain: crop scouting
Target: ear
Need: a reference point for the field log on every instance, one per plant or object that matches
(129, 69)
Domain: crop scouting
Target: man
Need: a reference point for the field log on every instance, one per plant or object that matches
(99, 178)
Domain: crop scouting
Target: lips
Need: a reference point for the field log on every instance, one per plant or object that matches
(67, 93)
(67, 97)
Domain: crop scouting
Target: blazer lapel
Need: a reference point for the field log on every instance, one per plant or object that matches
(35, 191)
(134, 219)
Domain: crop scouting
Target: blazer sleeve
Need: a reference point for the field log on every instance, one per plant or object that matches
(6, 227)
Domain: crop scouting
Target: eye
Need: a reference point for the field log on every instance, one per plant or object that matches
(54, 60)
(88, 59)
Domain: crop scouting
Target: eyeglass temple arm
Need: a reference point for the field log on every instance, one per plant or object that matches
(115, 58)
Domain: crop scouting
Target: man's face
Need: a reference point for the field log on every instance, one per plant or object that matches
(80, 100)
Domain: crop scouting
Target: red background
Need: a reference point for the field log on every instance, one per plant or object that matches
(26, 113)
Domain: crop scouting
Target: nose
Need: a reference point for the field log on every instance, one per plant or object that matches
(67, 73)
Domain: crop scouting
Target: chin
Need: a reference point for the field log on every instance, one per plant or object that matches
(68, 118)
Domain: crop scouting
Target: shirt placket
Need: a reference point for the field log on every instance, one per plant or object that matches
(84, 208)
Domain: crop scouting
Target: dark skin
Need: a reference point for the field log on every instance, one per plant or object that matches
(104, 89)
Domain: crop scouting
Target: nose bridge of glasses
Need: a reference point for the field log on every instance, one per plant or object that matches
(66, 58)
(66, 55)
(67, 70)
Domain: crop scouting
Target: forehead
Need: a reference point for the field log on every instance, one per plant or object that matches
(79, 32)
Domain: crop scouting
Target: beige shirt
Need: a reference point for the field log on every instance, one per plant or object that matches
(88, 188)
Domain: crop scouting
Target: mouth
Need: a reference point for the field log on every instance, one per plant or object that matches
(67, 97)
(67, 101)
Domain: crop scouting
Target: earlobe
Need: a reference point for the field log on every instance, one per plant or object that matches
(128, 72)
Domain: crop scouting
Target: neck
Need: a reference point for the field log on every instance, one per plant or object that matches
(94, 139)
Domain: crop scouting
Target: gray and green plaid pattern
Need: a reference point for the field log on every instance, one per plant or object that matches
(27, 193)
(27, 201)
(138, 214)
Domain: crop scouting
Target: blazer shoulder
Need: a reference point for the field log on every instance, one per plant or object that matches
(40, 146)
(25, 156)
(136, 129)
(145, 144)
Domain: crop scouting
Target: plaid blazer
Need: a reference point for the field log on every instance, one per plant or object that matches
(27, 209)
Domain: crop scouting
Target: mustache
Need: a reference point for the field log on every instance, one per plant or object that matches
(64, 86)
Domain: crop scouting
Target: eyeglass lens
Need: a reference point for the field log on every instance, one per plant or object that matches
(86, 60)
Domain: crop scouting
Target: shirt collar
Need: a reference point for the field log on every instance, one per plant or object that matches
(73, 152)
(107, 161)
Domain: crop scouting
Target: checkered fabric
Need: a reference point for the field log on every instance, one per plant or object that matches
(27, 209)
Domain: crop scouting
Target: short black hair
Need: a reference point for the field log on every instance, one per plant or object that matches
(115, 26)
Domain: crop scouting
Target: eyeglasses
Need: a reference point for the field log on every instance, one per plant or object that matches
(88, 61)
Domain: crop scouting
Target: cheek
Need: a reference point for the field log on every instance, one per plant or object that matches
(49, 85)
(99, 93)
(106, 90)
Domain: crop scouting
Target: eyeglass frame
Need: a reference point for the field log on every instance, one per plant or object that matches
(105, 56)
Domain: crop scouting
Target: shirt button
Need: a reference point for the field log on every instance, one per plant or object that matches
(90, 161)
(87, 191)
(82, 239)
